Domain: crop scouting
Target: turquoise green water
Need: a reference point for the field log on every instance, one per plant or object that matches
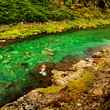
(18, 59)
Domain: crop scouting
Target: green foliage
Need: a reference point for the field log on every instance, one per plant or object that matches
(29, 10)
(69, 2)
(20, 10)
(61, 14)
(12, 11)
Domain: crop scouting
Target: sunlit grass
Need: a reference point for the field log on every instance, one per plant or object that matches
(23, 30)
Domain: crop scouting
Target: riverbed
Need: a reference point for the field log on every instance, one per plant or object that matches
(17, 60)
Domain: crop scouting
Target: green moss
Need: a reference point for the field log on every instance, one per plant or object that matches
(51, 89)
(81, 84)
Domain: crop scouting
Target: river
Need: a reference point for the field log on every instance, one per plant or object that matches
(18, 59)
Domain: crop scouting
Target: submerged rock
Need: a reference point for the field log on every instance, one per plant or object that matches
(43, 74)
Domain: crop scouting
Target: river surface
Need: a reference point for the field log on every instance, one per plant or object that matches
(17, 60)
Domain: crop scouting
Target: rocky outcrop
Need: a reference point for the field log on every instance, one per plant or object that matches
(82, 86)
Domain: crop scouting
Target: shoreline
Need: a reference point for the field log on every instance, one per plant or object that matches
(6, 41)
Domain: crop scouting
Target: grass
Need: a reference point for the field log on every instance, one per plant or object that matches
(24, 30)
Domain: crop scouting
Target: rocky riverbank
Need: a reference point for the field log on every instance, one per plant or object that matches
(76, 85)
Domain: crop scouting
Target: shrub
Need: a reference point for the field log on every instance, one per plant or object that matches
(61, 14)
(20, 10)
(30, 10)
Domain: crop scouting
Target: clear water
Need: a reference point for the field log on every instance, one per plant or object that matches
(17, 60)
